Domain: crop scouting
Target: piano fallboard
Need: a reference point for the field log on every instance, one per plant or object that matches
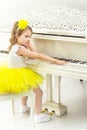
(61, 46)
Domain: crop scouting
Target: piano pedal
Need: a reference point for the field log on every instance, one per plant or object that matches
(52, 114)
(49, 113)
(45, 110)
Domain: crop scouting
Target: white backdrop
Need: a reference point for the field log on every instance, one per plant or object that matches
(10, 10)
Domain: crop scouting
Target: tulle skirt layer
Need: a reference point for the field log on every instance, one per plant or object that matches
(16, 80)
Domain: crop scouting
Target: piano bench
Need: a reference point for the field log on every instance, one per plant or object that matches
(13, 96)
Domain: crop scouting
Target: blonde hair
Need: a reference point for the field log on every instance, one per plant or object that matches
(15, 33)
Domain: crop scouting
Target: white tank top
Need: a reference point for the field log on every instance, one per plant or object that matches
(16, 61)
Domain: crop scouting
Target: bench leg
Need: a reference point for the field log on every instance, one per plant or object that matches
(13, 108)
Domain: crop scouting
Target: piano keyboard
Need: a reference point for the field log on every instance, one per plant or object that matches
(68, 70)
(4, 51)
(74, 62)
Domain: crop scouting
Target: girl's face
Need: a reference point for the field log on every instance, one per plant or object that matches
(24, 38)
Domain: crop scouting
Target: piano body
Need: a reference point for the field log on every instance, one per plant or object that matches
(60, 32)
(67, 48)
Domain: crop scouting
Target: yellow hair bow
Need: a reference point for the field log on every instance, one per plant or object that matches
(22, 24)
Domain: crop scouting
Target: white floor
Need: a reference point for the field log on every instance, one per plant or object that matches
(73, 94)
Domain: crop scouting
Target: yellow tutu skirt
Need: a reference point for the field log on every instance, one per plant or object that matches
(16, 80)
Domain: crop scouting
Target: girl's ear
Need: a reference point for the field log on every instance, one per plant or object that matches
(16, 36)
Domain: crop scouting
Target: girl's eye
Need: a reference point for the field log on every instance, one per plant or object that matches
(28, 36)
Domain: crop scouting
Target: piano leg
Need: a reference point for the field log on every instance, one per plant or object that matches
(60, 109)
(49, 87)
(50, 104)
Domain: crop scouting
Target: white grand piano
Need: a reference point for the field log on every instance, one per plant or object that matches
(60, 33)
(71, 48)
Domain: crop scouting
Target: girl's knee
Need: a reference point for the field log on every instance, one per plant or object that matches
(41, 92)
(38, 91)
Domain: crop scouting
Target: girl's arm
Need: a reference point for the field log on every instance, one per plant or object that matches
(34, 55)
(31, 47)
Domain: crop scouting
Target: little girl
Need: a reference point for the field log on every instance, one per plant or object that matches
(21, 77)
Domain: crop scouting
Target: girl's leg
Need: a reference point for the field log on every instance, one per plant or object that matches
(24, 107)
(38, 100)
(24, 100)
(39, 117)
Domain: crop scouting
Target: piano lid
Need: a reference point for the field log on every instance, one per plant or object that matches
(58, 20)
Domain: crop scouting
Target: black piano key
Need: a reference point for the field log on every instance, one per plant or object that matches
(75, 61)
(72, 61)
(81, 80)
(83, 62)
(4, 51)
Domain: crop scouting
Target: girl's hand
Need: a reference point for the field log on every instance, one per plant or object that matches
(61, 62)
